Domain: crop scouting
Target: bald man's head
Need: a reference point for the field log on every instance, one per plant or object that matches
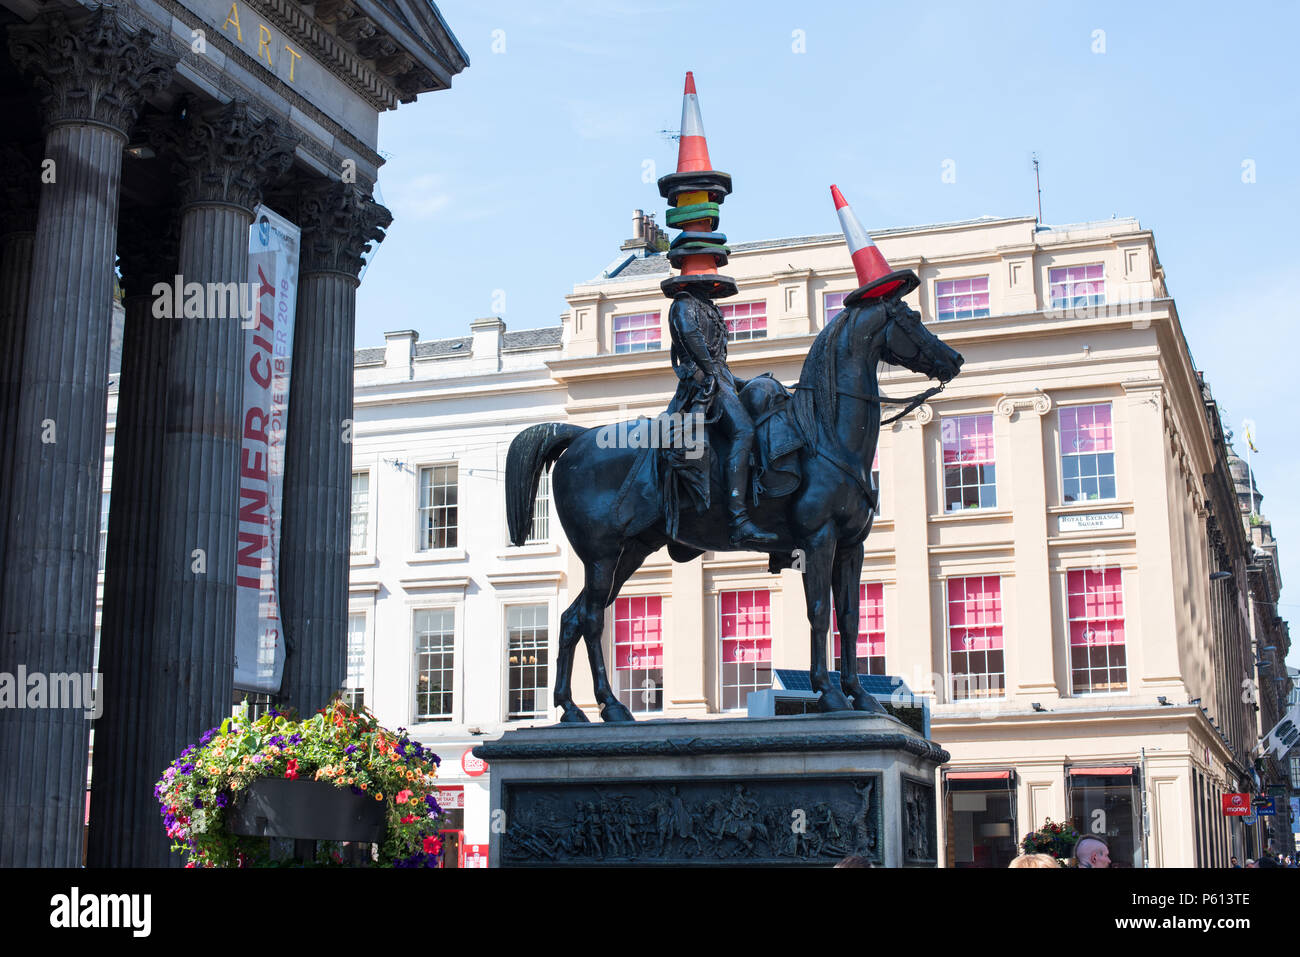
(1092, 852)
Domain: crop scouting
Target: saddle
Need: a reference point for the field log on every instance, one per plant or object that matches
(676, 464)
(777, 438)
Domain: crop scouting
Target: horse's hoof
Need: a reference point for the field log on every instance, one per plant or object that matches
(616, 713)
(832, 700)
(868, 703)
(573, 715)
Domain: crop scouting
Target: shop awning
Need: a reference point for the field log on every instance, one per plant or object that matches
(978, 775)
(1118, 771)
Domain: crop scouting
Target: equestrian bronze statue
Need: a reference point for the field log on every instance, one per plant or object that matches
(783, 472)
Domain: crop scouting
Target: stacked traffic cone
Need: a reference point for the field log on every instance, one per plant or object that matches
(695, 192)
(875, 279)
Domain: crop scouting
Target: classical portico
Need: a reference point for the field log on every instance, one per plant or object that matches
(143, 137)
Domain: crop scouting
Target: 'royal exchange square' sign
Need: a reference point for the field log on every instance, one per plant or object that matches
(140, 138)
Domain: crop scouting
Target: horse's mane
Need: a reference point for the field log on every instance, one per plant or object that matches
(815, 398)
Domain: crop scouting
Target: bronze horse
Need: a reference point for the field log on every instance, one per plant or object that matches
(823, 522)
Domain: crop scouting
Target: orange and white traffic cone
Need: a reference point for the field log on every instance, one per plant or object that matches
(695, 191)
(692, 147)
(876, 280)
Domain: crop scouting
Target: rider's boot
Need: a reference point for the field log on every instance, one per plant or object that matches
(743, 529)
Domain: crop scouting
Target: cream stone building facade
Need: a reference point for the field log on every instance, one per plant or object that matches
(1058, 562)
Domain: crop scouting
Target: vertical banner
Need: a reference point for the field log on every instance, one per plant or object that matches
(268, 352)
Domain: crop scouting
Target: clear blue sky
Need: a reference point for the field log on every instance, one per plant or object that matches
(523, 177)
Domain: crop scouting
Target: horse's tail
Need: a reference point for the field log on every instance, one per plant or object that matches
(533, 450)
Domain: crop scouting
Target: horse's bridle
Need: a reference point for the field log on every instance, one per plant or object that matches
(909, 403)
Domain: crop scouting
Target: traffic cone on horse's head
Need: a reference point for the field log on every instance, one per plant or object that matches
(695, 191)
(875, 279)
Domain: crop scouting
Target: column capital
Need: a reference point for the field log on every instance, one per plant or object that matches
(91, 68)
(227, 155)
(19, 197)
(339, 222)
(1038, 402)
(148, 243)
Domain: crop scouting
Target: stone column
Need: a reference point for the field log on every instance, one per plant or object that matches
(93, 74)
(124, 828)
(1031, 663)
(919, 654)
(339, 221)
(223, 159)
(18, 198)
(686, 691)
(1154, 667)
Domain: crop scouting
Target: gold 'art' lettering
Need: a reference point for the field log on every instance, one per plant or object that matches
(264, 38)
(234, 18)
(264, 44)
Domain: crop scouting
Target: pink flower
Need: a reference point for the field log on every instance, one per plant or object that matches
(403, 797)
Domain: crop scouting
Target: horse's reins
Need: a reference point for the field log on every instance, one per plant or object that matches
(910, 403)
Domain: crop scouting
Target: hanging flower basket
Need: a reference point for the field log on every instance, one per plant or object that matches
(1055, 839)
(308, 810)
(337, 777)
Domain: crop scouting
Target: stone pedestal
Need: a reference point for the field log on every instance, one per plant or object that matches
(800, 790)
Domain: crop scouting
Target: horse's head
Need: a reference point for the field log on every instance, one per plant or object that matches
(907, 343)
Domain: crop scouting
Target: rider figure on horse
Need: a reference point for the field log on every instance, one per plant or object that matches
(699, 356)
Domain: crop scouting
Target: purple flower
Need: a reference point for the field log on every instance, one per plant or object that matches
(198, 802)
(295, 738)
(435, 809)
(187, 769)
(355, 789)
(222, 799)
(257, 759)
(207, 736)
(350, 749)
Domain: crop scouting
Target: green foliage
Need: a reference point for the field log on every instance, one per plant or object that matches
(1058, 840)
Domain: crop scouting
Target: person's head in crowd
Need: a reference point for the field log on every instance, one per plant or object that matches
(1092, 852)
(1035, 860)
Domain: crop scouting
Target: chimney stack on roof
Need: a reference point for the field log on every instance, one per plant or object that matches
(646, 234)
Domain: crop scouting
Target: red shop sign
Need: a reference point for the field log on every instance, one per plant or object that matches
(1236, 805)
(475, 766)
(474, 855)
